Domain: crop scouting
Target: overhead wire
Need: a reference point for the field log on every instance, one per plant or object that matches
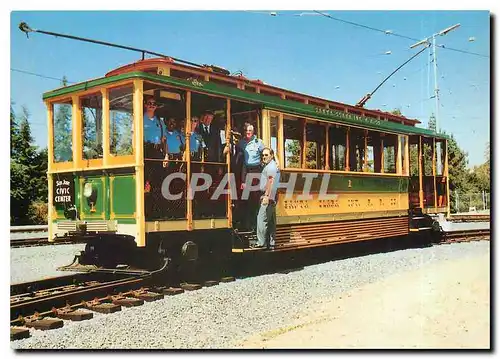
(40, 75)
(389, 32)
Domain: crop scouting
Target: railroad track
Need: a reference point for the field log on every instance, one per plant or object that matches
(470, 218)
(465, 236)
(42, 241)
(32, 242)
(46, 304)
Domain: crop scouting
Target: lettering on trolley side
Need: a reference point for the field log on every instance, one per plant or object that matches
(63, 192)
(295, 204)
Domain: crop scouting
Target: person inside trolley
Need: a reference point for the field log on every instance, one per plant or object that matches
(174, 141)
(210, 133)
(195, 140)
(154, 138)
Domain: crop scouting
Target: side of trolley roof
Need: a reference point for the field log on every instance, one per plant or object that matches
(267, 101)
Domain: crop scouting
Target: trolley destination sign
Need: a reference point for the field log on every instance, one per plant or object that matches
(63, 191)
(347, 116)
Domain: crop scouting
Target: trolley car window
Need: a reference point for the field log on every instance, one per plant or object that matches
(439, 158)
(372, 140)
(413, 157)
(315, 146)
(390, 153)
(121, 120)
(427, 155)
(293, 129)
(164, 121)
(356, 149)
(91, 113)
(211, 112)
(63, 134)
(338, 147)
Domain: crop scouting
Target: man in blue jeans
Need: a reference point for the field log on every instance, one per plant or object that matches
(266, 219)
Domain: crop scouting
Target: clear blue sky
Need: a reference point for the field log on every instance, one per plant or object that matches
(308, 54)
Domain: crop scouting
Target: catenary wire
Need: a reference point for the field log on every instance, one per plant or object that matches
(40, 75)
(395, 34)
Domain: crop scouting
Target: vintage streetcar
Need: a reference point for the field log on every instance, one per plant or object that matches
(359, 174)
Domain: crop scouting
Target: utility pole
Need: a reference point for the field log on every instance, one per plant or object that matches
(436, 88)
(426, 43)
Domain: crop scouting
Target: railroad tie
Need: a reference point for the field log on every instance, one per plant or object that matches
(147, 296)
(171, 290)
(227, 279)
(104, 308)
(190, 286)
(17, 333)
(71, 314)
(43, 323)
(210, 283)
(126, 301)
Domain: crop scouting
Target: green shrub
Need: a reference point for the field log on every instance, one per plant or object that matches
(38, 212)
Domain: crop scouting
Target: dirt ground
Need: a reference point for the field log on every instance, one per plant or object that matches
(444, 305)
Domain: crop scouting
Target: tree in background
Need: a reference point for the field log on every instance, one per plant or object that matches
(28, 181)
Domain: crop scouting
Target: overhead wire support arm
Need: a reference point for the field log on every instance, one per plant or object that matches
(362, 102)
(26, 29)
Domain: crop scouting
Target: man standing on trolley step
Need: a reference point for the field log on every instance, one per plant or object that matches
(266, 219)
(252, 148)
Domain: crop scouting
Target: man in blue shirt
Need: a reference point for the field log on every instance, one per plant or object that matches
(195, 140)
(266, 219)
(251, 148)
(174, 141)
(153, 131)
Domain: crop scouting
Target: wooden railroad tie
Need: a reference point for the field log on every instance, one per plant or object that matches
(227, 279)
(172, 291)
(210, 283)
(17, 333)
(147, 296)
(126, 301)
(71, 314)
(104, 308)
(42, 323)
(190, 286)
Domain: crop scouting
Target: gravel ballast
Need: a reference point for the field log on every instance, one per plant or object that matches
(33, 263)
(223, 316)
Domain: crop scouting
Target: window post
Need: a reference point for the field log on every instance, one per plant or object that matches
(327, 149)
(281, 140)
(434, 170)
(399, 159)
(228, 158)
(420, 179)
(138, 147)
(187, 151)
(347, 135)
(77, 132)
(105, 127)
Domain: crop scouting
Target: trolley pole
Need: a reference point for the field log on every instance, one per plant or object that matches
(427, 43)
